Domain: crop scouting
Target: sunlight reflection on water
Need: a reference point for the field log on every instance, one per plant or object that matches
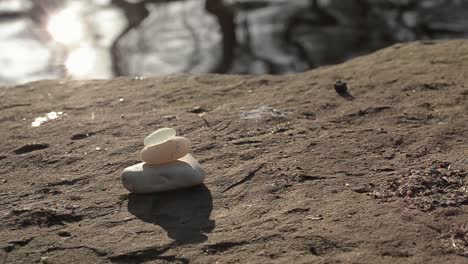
(76, 39)
(91, 39)
(67, 26)
(49, 40)
(84, 35)
(80, 61)
(89, 61)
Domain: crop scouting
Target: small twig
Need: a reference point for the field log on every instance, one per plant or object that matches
(233, 86)
(247, 178)
(204, 120)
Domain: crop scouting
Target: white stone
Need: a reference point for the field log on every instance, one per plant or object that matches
(181, 173)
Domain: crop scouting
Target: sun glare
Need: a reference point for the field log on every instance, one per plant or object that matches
(67, 26)
(80, 62)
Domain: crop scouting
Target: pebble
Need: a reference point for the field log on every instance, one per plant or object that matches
(341, 87)
(165, 152)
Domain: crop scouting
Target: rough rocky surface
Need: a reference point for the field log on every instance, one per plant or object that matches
(296, 173)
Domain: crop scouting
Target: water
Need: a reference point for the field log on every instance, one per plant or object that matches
(46, 39)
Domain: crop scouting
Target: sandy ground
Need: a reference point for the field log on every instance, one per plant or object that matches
(296, 173)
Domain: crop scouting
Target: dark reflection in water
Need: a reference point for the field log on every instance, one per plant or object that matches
(106, 38)
(184, 214)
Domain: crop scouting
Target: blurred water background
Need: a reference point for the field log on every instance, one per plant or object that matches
(88, 39)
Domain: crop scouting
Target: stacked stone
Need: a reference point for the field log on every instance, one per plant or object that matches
(167, 165)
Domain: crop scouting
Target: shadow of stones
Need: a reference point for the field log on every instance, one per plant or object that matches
(184, 214)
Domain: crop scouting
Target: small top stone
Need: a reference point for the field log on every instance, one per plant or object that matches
(159, 136)
(163, 146)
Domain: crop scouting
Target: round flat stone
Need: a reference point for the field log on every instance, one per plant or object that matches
(182, 173)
